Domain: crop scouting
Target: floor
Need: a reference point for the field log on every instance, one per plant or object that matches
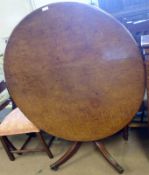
(132, 155)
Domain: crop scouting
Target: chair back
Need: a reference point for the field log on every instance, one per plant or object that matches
(2, 86)
(4, 103)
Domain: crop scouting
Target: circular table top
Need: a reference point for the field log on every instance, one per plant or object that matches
(74, 71)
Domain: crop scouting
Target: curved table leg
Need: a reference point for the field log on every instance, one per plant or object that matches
(72, 150)
(108, 157)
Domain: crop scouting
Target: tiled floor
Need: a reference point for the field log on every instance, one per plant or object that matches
(132, 155)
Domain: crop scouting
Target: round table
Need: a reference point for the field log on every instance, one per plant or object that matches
(74, 71)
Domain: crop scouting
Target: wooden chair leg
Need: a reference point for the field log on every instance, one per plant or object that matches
(72, 150)
(125, 133)
(26, 142)
(9, 144)
(51, 141)
(7, 149)
(41, 139)
(108, 157)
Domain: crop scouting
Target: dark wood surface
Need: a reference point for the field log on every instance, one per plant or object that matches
(16, 123)
(74, 71)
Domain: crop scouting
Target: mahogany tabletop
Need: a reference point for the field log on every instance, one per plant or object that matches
(74, 71)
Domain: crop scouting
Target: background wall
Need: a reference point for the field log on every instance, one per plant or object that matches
(39, 3)
(11, 12)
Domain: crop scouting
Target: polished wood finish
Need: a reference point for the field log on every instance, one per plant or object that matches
(108, 157)
(23, 149)
(16, 123)
(71, 151)
(46, 148)
(7, 149)
(11, 149)
(73, 70)
(74, 148)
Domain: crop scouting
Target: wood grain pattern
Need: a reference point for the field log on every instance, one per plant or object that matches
(74, 71)
(16, 123)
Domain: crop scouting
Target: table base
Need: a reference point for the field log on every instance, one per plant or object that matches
(75, 147)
